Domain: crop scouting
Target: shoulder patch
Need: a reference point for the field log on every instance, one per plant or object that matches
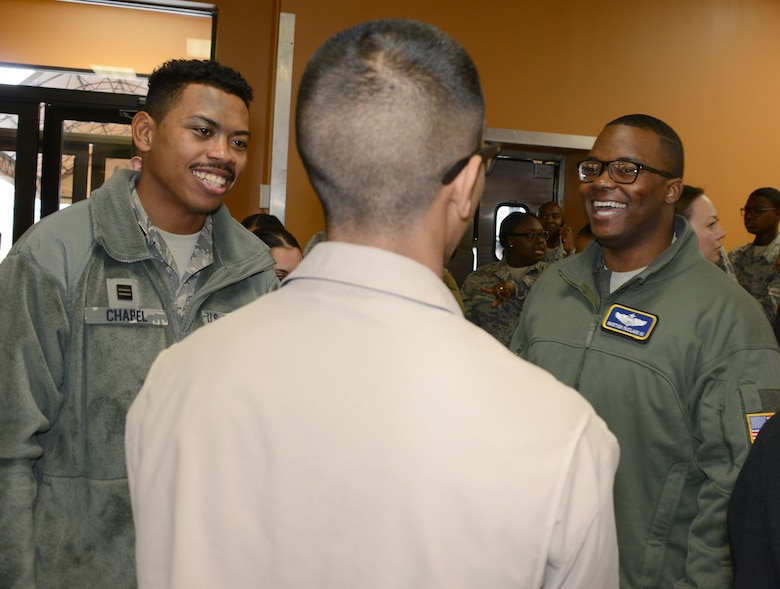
(630, 323)
(755, 422)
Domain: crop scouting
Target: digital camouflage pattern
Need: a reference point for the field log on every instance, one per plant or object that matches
(553, 254)
(758, 274)
(725, 264)
(202, 255)
(498, 321)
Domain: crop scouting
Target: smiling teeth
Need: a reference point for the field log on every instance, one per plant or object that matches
(609, 204)
(213, 179)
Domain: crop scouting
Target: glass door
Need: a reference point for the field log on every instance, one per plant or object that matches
(57, 146)
(19, 124)
(84, 146)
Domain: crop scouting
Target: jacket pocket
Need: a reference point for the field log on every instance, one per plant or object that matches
(663, 521)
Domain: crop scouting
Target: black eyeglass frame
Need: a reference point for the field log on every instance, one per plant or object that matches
(528, 234)
(755, 211)
(639, 165)
(488, 154)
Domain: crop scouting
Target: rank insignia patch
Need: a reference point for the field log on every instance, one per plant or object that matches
(122, 292)
(630, 323)
(755, 422)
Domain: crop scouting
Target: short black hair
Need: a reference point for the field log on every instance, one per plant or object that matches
(509, 223)
(275, 237)
(384, 109)
(768, 192)
(262, 221)
(168, 81)
(671, 144)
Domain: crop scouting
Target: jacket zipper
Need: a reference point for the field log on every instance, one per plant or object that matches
(591, 297)
(588, 341)
(725, 434)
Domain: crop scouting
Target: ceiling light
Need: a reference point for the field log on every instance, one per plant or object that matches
(170, 6)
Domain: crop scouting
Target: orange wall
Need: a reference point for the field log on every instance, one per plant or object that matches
(246, 40)
(68, 35)
(707, 67)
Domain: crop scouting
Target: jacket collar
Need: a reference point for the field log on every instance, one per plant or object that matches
(375, 269)
(683, 252)
(116, 228)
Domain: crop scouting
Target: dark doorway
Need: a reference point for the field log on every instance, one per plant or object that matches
(525, 177)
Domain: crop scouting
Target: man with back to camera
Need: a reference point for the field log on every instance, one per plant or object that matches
(668, 349)
(387, 446)
(560, 239)
(91, 295)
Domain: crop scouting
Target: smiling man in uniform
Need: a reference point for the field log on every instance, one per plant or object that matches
(669, 351)
(90, 296)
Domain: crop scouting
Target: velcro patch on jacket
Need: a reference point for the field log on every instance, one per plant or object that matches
(628, 322)
(124, 316)
(211, 316)
(755, 422)
(122, 292)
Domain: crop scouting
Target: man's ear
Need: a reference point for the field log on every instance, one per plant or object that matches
(465, 193)
(673, 191)
(143, 127)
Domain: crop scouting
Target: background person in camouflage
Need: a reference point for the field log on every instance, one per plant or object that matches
(755, 264)
(493, 295)
(560, 238)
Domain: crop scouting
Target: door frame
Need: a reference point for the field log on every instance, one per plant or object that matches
(561, 148)
(58, 104)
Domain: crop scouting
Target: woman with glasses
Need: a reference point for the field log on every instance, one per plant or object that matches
(755, 264)
(493, 295)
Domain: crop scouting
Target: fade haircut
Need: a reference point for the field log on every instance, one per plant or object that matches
(168, 81)
(384, 109)
(671, 144)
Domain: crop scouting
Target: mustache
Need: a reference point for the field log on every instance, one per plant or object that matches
(216, 166)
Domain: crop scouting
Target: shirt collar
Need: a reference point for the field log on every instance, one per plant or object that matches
(376, 269)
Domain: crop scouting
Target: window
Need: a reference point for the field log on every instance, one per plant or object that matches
(502, 212)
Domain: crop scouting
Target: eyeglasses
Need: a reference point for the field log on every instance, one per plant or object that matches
(532, 235)
(621, 171)
(488, 155)
(755, 211)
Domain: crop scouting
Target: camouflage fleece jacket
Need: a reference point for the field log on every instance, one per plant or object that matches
(758, 275)
(86, 309)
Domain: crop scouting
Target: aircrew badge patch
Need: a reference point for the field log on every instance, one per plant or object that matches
(755, 422)
(630, 323)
